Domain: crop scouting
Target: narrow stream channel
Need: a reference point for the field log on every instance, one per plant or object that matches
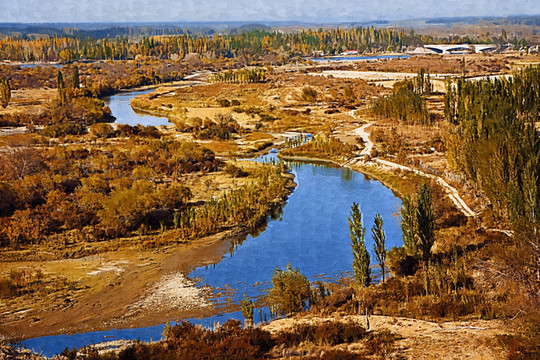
(311, 233)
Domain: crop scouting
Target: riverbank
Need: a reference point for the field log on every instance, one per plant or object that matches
(125, 288)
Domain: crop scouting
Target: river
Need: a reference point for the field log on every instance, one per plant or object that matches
(310, 232)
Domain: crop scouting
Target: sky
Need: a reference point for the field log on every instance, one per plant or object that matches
(255, 10)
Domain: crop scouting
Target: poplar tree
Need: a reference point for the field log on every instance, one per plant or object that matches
(361, 257)
(409, 226)
(5, 92)
(75, 80)
(426, 222)
(61, 88)
(418, 224)
(379, 237)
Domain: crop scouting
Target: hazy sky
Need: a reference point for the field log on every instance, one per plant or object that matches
(223, 10)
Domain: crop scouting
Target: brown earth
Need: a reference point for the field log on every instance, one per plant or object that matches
(418, 339)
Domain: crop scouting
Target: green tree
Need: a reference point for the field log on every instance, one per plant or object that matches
(379, 237)
(361, 257)
(418, 224)
(75, 80)
(409, 226)
(5, 92)
(61, 88)
(247, 310)
(425, 222)
(290, 292)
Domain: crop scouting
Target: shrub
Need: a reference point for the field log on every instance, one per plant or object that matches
(101, 130)
(59, 130)
(309, 94)
(224, 102)
(290, 293)
(235, 171)
(328, 333)
(401, 264)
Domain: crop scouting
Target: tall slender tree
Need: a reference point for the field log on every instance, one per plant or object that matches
(61, 88)
(75, 80)
(247, 311)
(379, 238)
(361, 258)
(426, 222)
(5, 92)
(418, 224)
(409, 226)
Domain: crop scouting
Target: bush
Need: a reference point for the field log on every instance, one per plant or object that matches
(290, 293)
(59, 130)
(309, 94)
(328, 333)
(224, 102)
(235, 171)
(401, 264)
(101, 130)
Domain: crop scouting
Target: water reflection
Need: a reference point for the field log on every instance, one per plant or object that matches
(312, 233)
(120, 105)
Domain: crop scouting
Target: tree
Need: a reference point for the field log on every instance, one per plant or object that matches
(5, 92)
(75, 80)
(361, 257)
(290, 292)
(425, 222)
(247, 311)
(61, 88)
(409, 226)
(418, 224)
(379, 237)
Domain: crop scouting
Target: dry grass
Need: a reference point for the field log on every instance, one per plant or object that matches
(255, 136)
(222, 147)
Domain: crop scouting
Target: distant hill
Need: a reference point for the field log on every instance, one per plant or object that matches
(137, 30)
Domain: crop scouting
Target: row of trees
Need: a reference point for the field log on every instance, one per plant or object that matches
(406, 103)
(494, 141)
(361, 258)
(320, 146)
(417, 225)
(254, 42)
(243, 76)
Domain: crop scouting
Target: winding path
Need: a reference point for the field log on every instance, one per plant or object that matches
(451, 192)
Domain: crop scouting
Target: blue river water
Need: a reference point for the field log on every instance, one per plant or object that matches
(120, 105)
(310, 232)
(33, 65)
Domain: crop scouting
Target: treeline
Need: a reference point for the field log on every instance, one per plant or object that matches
(406, 103)
(249, 43)
(322, 147)
(65, 48)
(247, 205)
(495, 142)
(243, 76)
